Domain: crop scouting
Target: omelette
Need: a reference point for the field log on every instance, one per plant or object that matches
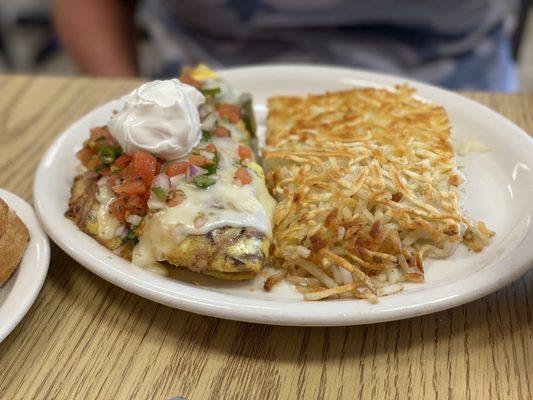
(209, 211)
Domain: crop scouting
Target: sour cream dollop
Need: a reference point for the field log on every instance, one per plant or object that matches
(160, 117)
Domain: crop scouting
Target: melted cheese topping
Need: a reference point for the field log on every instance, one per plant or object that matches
(107, 223)
(221, 205)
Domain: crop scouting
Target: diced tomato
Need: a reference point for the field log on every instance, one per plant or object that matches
(118, 208)
(84, 155)
(243, 176)
(123, 206)
(122, 162)
(93, 162)
(88, 158)
(220, 131)
(124, 175)
(211, 148)
(177, 169)
(231, 112)
(125, 172)
(99, 132)
(105, 171)
(145, 165)
(112, 180)
(136, 205)
(102, 135)
(131, 187)
(176, 200)
(245, 153)
(190, 81)
(131, 182)
(197, 160)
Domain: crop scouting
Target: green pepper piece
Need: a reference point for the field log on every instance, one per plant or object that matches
(211, 168)
(108, 154)
(205, 136)
(160, 193)
(131, 236)
(203, 181)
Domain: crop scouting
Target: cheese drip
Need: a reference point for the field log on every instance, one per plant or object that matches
(224, 204)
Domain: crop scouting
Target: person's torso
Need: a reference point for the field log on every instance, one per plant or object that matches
(407, 37)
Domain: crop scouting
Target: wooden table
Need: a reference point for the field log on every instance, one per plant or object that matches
(87, 339)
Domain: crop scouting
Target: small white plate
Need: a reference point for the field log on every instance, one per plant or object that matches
(499, 191)
(19, 292)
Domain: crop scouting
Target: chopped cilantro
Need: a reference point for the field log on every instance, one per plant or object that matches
(131, 236)
(160, 193)
(203, 182)
(100, 167)
(108, 154)
(211, 168)
(205, 136)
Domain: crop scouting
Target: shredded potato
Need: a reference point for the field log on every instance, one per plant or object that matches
(367, 187)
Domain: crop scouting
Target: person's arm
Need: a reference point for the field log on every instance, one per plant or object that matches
(99, 35)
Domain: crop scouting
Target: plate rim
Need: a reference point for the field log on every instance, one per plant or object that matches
(263, 311)
(41, 262)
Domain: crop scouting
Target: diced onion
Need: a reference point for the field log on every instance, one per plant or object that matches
(201, 171)
(134, 219)
(121, 231)
(192, 171)
(175, 180)
(203, 110)
(162, 181)
(209, 122)
(91, 174)
(155, 204)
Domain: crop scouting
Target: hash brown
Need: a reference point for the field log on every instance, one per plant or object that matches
(367, 187)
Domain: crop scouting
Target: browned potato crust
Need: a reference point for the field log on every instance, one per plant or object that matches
(83, 208)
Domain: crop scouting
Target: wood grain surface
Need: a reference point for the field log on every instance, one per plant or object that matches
(87, 339)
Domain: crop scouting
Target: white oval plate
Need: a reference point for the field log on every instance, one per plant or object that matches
(19, 292)
(499, 191)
